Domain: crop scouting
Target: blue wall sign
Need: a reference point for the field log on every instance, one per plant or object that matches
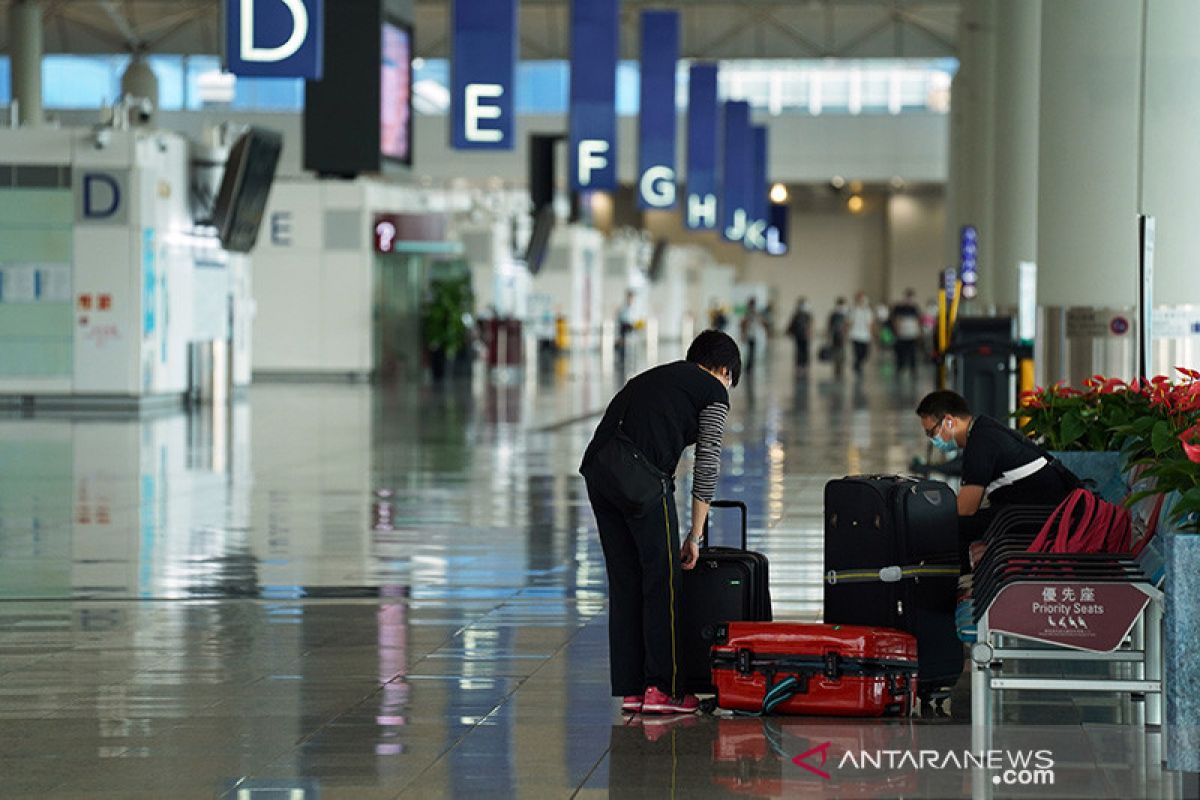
(656, 122)
(593, 116)
(701, 211)
(737, 171)
(756, 224)
(275, 38)
(483, 66)
(968, 260)
(778, 221)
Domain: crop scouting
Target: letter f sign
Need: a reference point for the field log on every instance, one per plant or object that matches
(275, 38)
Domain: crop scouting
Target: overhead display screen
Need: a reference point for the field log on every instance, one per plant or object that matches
(395, 94)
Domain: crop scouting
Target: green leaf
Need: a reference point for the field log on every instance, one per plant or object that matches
(1162, 439)
(1073, 427)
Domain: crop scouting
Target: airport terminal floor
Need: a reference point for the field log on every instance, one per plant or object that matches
(369, 592)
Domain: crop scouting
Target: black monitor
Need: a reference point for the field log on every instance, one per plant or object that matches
(249, 173)
(539, 239)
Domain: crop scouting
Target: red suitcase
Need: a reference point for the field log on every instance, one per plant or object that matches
(830, 670)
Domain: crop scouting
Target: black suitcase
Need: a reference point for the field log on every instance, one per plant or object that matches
(891, 560)
(728, 584)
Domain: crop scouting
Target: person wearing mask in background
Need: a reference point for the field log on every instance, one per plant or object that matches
(862, 330)
(835, 332)
(906, 325)
(629, 469)
(999, 466)
(751, 331)
(800, 329)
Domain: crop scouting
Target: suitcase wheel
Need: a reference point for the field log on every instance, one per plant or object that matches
(708, 704)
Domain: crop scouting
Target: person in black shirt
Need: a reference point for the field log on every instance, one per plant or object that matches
(660, 413)
(1000, 466)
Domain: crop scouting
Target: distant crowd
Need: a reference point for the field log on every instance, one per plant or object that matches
(851, 331)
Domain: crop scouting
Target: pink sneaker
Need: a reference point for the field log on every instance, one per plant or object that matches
(659, 702)
(632, 704)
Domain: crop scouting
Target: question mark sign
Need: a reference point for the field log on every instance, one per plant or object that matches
(386, 232)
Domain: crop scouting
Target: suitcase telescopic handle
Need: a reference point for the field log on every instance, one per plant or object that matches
(742, 510)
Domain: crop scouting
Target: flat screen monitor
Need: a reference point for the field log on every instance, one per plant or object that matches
(245, 186)
(539, 239)
(395, 93)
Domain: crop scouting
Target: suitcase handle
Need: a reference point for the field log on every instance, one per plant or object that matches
(745, 514)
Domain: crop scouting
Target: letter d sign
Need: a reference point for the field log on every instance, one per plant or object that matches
(275, 38)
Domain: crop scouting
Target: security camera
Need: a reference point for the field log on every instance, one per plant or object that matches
(101, 137)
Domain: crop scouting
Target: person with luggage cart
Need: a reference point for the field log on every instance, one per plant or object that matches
(628, 468)
(1000, 466)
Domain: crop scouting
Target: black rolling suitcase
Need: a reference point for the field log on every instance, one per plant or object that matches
(891, 560)
(728, 584)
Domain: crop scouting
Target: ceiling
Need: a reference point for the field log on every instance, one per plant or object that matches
(712, 29)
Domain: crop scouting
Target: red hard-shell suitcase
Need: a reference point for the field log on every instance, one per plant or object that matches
(798, 668)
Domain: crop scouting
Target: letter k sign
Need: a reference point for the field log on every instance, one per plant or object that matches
(275, 38)
(821, 750)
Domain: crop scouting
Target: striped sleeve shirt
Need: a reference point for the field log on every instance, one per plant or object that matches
(707, 465)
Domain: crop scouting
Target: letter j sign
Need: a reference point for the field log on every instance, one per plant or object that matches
(275, 38)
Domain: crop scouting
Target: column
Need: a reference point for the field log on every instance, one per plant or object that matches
(25, 42)
(1015, 212)
(972, 111)
(1170, 147)
(1088, 152)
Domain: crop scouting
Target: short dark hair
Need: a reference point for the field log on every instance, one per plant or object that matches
(939, 404)
(715, 349)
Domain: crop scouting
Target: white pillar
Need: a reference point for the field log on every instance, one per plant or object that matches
(1171, 147)
(1088, 152)
(25, 42)
(1015, 212)
(972, 176)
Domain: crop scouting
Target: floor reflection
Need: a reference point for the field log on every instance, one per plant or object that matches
(397, 591)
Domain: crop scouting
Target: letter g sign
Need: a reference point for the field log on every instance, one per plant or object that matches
(275, 38)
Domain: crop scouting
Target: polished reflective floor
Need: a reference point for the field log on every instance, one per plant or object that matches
(350, 591)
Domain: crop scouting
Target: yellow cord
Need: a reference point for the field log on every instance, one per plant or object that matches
(671, 585)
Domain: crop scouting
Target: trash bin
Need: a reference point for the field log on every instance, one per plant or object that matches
(983, 364)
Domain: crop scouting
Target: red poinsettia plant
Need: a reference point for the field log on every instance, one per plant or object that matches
(1155, 423)
(1166, 443)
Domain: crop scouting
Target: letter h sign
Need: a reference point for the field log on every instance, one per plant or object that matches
(275, 38)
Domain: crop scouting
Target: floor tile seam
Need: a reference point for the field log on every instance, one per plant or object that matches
(480, 720)
(467, 731)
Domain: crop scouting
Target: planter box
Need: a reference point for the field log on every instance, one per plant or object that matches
(1100, 470)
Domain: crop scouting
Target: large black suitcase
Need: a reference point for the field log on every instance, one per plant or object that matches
(891, 560)
(728, 584)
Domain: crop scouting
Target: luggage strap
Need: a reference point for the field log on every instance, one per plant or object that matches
(831, 666)
(892, 574)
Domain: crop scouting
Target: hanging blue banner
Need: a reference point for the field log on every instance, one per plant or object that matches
(737, 171)
(275, 38)
(701, 211)
(756, 222)
(483, 66)
(656, 120)
(778, 220)
(595, 29)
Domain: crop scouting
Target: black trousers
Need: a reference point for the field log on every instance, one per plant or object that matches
(861, 350)
(802, 348)
(906, 354)
(641, 556)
